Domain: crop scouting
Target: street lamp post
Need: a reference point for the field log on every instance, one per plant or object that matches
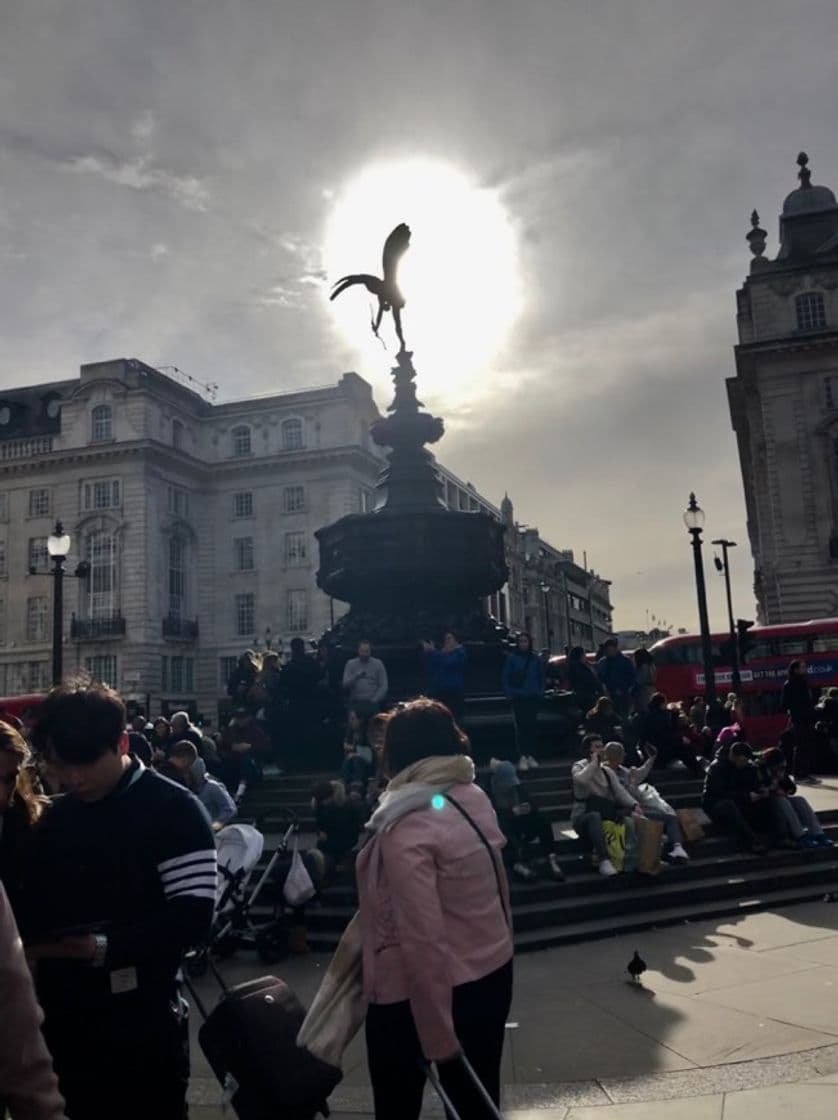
(723, 565)
(694, 521)
(545, 591)
(58, 545)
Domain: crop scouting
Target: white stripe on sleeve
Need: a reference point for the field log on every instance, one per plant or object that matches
(193, 875)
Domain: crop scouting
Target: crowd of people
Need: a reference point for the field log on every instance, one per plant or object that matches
(108, 856)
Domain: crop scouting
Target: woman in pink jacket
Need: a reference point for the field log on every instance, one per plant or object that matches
(434, 906)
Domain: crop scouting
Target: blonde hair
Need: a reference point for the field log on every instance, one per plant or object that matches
(25, 802)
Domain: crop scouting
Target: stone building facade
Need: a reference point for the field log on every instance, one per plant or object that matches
(784, 407)
(193, 523)
(558, 601)
(197, 521)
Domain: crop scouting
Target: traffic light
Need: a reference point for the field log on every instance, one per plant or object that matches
(743, 625)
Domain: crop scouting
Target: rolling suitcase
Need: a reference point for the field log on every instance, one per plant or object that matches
(250, 1041)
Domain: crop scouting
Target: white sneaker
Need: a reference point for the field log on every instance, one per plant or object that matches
(607, 868)
(678, 852)
(533, 762)
(523, 763)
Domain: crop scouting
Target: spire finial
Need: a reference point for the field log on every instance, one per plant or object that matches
(804, 174)
(756, 236)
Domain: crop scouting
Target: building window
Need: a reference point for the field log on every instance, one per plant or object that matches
(3, 569)
(177, 576)
(296, 611)
(177, 435)
(38, 555)
(245, 610)
(39, 503)
(101, 423)
(3, 625)
(243, 554)
(4, 507)
(243, 504)
(101, 494)
(294, 499)
(241, 441)
(181, 674)
(829, 394)
(178, 501)
(36, 676)
(102, 667)
(811, 311)
(292, 435)
(295, 549)
(226, 667)
(164, 673)
(101, 555)
(36, 618)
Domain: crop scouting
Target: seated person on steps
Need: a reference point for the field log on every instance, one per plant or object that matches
(736, 800)
(339, 819)
(803, 828)
(522, 824)
(652, 805)
(216, 802)
(597, 796)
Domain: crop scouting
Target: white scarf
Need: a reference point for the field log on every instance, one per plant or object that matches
(414, 787)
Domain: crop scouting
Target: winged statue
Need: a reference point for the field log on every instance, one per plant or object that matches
(385, 288)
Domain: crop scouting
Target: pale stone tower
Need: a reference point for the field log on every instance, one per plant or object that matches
(784, 407)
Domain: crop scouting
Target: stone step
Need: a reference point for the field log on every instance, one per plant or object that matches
(720, 895)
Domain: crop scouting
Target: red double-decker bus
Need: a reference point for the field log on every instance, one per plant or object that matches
(767, 653)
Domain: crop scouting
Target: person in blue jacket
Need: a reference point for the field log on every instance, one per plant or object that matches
(523, 684)
(618, 676)
(445, 668)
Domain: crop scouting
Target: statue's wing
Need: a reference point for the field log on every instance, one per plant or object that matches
(394, 249)
(372, 283)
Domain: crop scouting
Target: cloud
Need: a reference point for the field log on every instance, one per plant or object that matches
(139, 174)
(143, 128)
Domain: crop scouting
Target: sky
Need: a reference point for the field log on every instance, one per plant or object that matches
(170, 176)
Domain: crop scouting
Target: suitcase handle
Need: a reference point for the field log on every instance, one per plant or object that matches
(190, 987)
(433, 1077)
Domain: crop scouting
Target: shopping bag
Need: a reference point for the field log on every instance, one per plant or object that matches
(299, 888)
(339, 1008)
(649, 835)
(690, 823)
(615, 842)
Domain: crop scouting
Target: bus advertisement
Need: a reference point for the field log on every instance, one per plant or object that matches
(765, 656)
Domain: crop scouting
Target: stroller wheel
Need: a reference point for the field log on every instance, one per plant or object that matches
(271, 944)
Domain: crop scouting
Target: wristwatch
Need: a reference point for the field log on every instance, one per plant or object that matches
(101, 950)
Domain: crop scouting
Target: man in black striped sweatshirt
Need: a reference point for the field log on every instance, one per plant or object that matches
(122, 882)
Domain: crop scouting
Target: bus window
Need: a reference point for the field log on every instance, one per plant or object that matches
(671, 655)
(757, 650)
(824, 643)
(792, 647)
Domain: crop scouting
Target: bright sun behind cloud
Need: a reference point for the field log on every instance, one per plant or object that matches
(459, 277)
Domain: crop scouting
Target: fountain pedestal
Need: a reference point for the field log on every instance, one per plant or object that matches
(412, 569)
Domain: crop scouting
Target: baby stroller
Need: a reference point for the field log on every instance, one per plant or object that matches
(240, 848)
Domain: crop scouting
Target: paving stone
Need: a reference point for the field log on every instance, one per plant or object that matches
(806, 1000)
(807, 1101)
(698, 1108)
